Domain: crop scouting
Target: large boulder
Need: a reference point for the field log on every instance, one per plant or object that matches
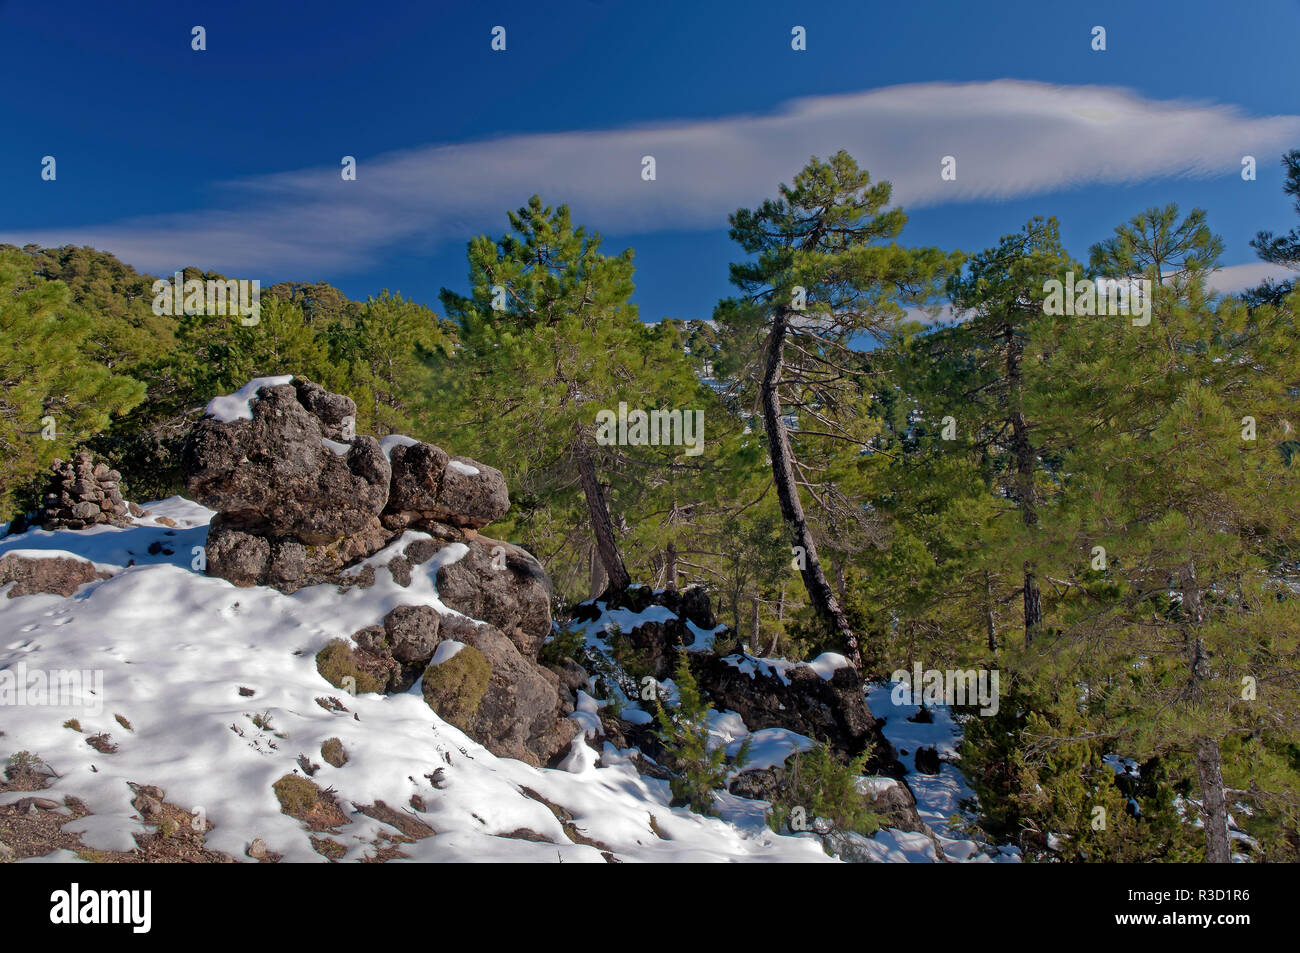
(431, 487)
(523, 713)
(298, 499)
(504, 585)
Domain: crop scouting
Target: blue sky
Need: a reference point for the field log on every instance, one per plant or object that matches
(229, 158)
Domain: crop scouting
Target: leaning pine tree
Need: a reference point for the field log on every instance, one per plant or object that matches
(826, 275)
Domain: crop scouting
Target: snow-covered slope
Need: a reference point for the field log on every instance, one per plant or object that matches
(175, 648)
(220, 690)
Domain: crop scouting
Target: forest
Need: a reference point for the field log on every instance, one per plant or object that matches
(897, 453)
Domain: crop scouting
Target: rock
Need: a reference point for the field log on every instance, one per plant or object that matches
(503, 585)
(257, 849)
(573, 677)
(832, 710)
(650, 648)
(758, 785)
(412, 633)
(337, 413)
(7, 854)
(454, 687)
(55, 575)
(520, 714)
(369, 666)
(927, 760)
(892, 798)
(429, 486)
(295, 504)
(82, 493)
(274, 474)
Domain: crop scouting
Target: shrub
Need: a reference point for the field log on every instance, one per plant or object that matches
(562, 644)
(684, 733)
(826, 789)
(297, 795)
(333, 752)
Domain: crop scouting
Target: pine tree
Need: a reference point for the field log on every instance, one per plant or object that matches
(822, 281)
(1176, 478)
(1280, 249)
(52, 396)
(1003, 294)
(548, 339)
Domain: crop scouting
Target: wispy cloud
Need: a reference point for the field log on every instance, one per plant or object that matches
(1010, 138)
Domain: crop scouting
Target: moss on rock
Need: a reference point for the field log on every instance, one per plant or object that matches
(338, 661)
(455, 688)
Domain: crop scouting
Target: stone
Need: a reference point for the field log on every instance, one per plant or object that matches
(504, 585)
(55, 575)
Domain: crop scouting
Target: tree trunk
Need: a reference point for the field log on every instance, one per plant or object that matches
(755, 626)
(820, 595)
(1033, 605)
(989, 621)
(602, 527)
(1026, 464)
(1209, 763)
(1214, 803)
(670, 566)
(598, 581)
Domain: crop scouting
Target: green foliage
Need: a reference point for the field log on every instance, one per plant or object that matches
(335, 662)
(684, 732)
(51, 385)
(563, 644)
(825, 788)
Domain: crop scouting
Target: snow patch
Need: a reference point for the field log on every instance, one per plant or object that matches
(239, 405)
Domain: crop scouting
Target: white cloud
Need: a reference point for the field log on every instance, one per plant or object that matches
(1250, 275)
(1010, 138)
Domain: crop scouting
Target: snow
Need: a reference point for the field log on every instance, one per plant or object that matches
(463, 468)
(446, 651)
(943, 800)
(823, 665)
(239, 405)
(175, 647)
(338, 448)
(396, 440)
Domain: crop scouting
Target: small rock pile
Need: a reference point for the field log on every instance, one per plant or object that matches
(83, 493)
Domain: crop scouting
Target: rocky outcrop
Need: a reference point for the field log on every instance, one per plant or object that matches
(56, 575)
(301, 499)
(650, 646)
(431, 487)
(83, 493)
(300, 496)
(504, 585)
(830, 710)
(520, 709)
(294, 503)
